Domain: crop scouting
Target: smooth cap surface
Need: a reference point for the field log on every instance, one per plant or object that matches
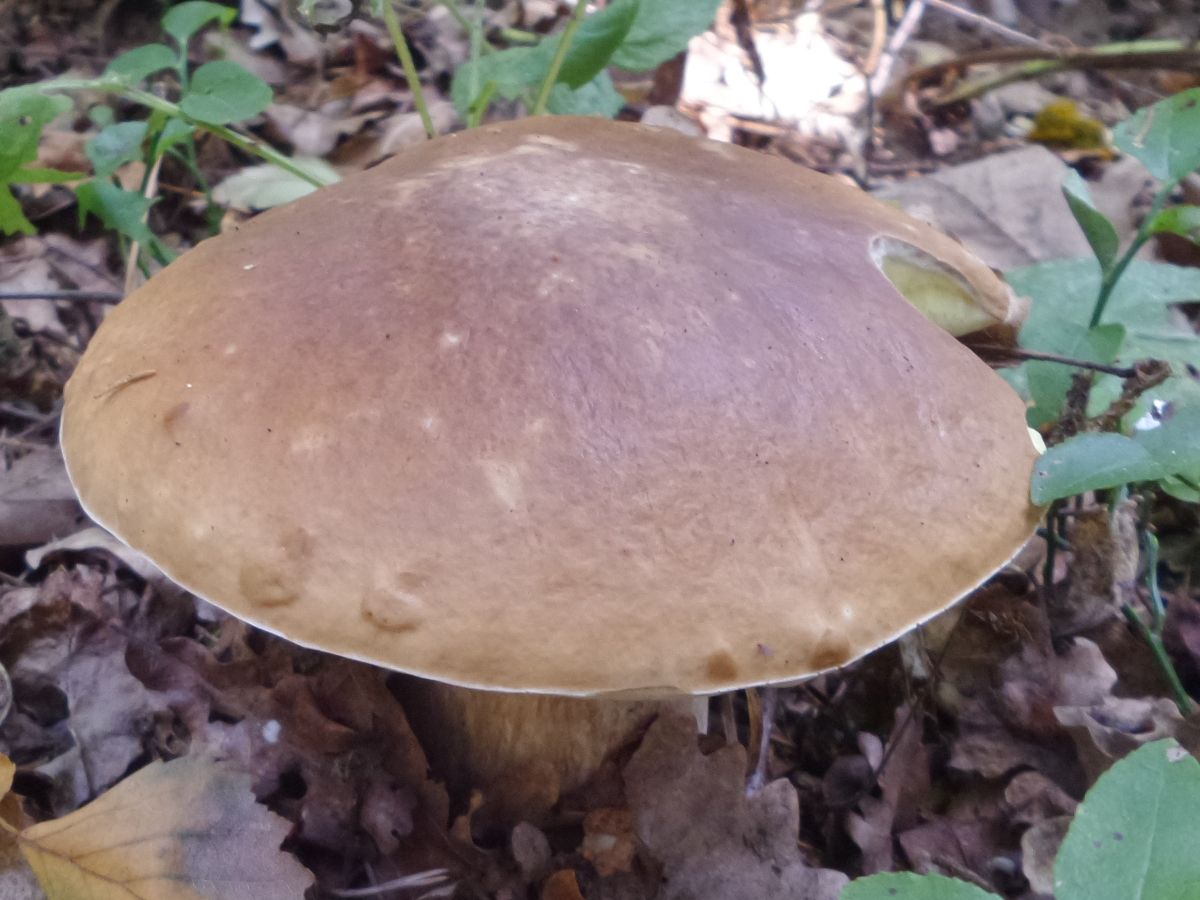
(558, 405)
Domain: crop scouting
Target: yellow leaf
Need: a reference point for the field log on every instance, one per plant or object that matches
(183, 830)
(1060, 124)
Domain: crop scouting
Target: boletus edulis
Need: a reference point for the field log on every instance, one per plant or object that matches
(593, 414)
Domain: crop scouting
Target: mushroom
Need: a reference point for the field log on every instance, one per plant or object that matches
(593, 414)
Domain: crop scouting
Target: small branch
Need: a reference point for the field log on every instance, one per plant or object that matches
(904, 31)
(560, 54)
(69, 296)
(410, 67)
(1034, 63)
(1021, 353)
(428, 878)
(987, 24)
(1147, 373)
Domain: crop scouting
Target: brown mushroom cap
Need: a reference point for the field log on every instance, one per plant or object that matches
(559, 405)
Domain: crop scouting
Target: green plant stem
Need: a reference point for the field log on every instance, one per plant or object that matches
(560, 54)
(244, 142)
(410, 68)
(1152, 632)
(1109, 280)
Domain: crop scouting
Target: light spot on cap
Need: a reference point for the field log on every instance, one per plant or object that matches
(231, 349)
(847, 612)
(504, 478)
(310, 440)
(449, 340)
(396, 608)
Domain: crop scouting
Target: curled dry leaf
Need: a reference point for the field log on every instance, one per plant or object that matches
(183, 830)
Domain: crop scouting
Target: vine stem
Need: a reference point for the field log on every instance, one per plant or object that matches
(410, 67)
(1152, 633)
(1110, 278)
(244, 142)
(560, 54)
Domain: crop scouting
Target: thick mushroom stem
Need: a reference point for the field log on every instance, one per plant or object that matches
(482, 739)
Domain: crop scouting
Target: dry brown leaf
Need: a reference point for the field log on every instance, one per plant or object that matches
(1039, 849)
(7, 771)
(37, 501)
(183, 830)
(692, 814)
(608, 840)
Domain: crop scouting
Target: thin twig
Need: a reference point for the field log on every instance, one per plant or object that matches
(987, 24)
(908, 25)
(69, 296)
(149, 188)
(1022, 353)
(421, 879)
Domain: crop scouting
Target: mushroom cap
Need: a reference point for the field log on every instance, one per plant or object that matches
(562, 406)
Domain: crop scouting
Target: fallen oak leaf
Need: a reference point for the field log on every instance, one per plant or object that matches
(184, 830)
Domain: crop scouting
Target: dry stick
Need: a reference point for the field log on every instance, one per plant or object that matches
(904, 31)
(1036, 63)
(131, 265)
(1021, 353)
(69, 296)
(878, 36)
(770, 700)
(997, 28)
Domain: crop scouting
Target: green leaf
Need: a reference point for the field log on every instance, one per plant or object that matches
(597, 39)
(265, 186)
(1181, 220)
(122, 211)
(24, 112)
(1175, 444)
(1063, 293)
(1098, 230)
(1165, 136)
(185, 19)
(12, 217)
(1134, 834)
(511, 71)
(222, 92)
(139, 63)
(1091, 462)
(116, 145)
(1048, 382)
(596, 98)
(661, 30)
(907, 886)
(174, 131)
(514, 72)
